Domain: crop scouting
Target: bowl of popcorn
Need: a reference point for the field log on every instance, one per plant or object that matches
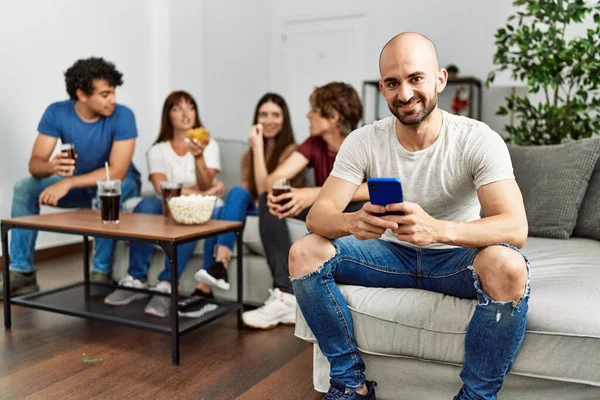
(192, 209)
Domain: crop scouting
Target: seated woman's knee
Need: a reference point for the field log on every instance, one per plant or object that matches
(238, 191)
(502, 271)
(308, 254)
(149, 205)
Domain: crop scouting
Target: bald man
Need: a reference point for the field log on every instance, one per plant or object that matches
(450, 167)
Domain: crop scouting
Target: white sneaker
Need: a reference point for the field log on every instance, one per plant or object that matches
(121, 297)
(280, 308)
(159, 305)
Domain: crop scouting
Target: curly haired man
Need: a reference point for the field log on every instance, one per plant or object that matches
(101, 131)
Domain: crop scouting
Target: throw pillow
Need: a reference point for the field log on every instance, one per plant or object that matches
(553, 180)
(588, 221)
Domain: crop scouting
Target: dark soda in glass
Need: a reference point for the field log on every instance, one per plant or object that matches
(169, 190)
(109, 208)
(69, 148)
(279, 190)
(109, 192)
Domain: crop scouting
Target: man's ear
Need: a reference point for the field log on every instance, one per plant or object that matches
(442, 79)
(335, 118)
(81, 96)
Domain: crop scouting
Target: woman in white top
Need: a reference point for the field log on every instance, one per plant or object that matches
(172, 158)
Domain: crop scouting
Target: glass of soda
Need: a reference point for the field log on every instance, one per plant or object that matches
(169, 189)
(280, 187)
(68, 148)
(110, 199)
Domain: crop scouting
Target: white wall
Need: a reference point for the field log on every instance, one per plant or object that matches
(236, 37)
(39, 40)
(463, 31)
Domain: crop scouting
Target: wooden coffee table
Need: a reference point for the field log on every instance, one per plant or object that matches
(86, 298)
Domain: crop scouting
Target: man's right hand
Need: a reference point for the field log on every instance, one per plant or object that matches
(364, 225)
(62, 165)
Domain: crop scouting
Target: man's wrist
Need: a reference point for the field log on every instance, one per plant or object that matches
(348, 217)
(68, 182)
(446, 232)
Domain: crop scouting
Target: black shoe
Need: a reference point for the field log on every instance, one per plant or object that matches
(214, 276)
(198, 297)
(199, 293)
(337, 391)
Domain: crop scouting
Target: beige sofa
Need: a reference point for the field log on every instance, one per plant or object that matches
(412, 340)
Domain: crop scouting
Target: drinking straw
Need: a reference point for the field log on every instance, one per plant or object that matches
(107, 173)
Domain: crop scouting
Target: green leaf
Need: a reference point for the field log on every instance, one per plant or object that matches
(535, 51)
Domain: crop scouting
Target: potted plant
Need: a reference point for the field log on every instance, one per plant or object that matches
(452, 71)
(534, 48)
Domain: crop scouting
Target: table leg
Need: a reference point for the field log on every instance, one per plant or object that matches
(6, 280)
(171, 251)
(86, 266)
(240, 278)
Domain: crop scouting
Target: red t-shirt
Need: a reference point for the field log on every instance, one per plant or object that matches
(319, 157)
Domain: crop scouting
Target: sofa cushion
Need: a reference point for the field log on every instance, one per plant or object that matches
(553, 180)
(588, 221)
(563, 325)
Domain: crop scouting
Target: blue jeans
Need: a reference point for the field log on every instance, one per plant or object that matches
(25, 202)
(238, 205)
(494, 334)
(140, 253)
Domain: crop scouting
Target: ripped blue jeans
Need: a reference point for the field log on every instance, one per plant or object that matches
(493, 337)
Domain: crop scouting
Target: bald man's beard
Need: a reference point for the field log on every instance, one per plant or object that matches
(414, 118)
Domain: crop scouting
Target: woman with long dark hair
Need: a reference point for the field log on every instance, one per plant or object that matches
(271, 142)
(174, 158)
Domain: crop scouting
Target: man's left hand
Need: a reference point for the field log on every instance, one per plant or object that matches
(53, 193)
(415, 226)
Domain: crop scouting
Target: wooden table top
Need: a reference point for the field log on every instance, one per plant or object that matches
(134, 226)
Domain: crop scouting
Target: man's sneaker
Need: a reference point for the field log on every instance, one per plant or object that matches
(122, 297)
(214, 276)
(100, 277)
(20, 284)
(280, 308)
(159, 305)
(337, 391)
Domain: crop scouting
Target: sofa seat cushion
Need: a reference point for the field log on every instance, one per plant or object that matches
(563, 332)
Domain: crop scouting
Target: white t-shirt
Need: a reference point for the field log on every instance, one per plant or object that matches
(162, 159)
(443, 178)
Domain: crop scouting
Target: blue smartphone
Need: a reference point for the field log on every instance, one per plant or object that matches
(384, 191)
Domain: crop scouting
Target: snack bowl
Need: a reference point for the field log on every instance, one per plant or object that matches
(192, 209)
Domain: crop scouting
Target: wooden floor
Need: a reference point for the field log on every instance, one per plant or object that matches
(52, 356)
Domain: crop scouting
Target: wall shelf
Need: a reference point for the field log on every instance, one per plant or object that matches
(473, 83)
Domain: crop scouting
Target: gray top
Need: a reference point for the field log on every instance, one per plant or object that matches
(443, 178)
